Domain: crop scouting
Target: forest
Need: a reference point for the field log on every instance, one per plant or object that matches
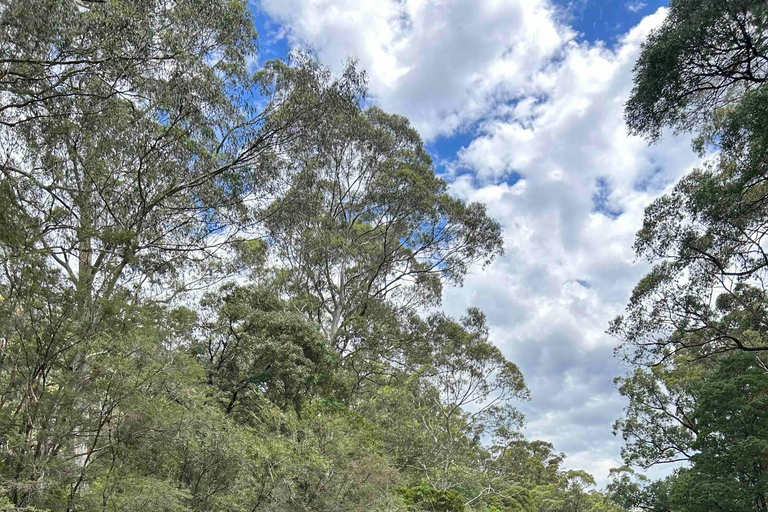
(221, 284)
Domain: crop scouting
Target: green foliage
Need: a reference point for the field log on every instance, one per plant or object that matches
(144, 162)
(726, 446)
(695, 329)
(702, 70)
(134, 134)
(426, 498)
(257, 348)
(636, 492)
(731, 416)
(365, 225)
(657, 427)
(705, 54)
(568, 493)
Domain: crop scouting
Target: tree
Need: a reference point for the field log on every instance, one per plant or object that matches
(727, 455)
(635, 491)
(136, 144)
(365, 225)
(70, 423)
(705, 55)
(658, 425)
(428, 499)
(567, 494)
(255, 348)
(702, 307)
(451, 368)
(728, 470)
(143, 160)
(703, 70)
(136, 165)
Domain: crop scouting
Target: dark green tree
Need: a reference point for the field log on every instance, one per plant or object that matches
(705, 55)
(729, 469)
(695, 328)
(257, 349)
(703, 70)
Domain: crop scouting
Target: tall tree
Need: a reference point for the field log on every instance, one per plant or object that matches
(136, 143)
(366, 226)
(704, 70)
(657, 426)
(142, 159)
(702, 307)
(147, 144)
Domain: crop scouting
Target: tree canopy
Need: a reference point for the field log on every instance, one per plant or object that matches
(695, 329)
(221, 282)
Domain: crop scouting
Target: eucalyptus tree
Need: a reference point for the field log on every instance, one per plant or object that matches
(567, 494)
(455, 390)
(136, 139)
(704, 70)
(704, 301)
(635, 491)
(143, 153)
(657, 427)
(135, 143)
(366, 226)
(468, 372)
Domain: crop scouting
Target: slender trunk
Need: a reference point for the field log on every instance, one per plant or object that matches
(85, 257)
(338, 307)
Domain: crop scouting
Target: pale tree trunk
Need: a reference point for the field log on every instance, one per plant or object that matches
(336, 315)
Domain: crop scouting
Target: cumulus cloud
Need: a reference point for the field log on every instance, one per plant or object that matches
(548, 153)
(443, 63)
(569, 224)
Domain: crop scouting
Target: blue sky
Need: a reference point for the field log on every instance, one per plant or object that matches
(520, 103)
(606, 20)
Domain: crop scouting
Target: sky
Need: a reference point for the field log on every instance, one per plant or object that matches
(520, 103)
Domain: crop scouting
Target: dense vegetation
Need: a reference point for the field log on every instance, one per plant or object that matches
(211, 278)
(216, 281)
(697, 324)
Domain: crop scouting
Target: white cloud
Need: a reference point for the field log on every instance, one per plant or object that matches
(549, 109)
(441, 62)
(635, 6)
(569, 266)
